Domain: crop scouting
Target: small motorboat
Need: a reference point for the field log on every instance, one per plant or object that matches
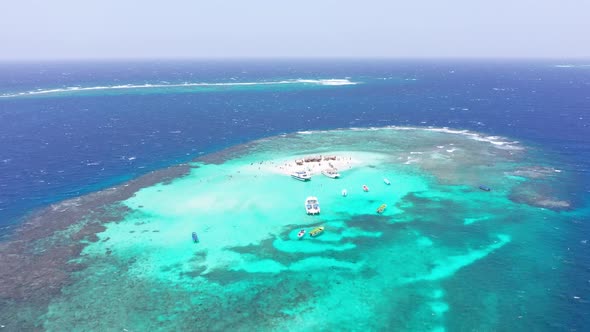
(195, 238)
(386, 180)
(365, 188)
(300, 234)
(331, 173)
(316, 231)
(381, 208)
(344, 192)
(485, 188)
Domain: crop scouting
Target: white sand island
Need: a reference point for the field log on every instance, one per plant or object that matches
(315, 164)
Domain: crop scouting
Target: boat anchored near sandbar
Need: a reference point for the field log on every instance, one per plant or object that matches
(365, 188)
(331, 173)
(344, 192)
(301, 176)
(381, 208)
(484, 188)
(312, 205)
(316, 231)
(386, 180)
(300, 234)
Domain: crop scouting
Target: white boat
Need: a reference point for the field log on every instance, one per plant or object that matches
(312, 205)
(301, 176)
(331, 173)
(300, 234)
(386, 180)
(344, 192)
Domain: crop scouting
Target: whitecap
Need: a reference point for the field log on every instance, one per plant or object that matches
(497, 141)
(322, 82)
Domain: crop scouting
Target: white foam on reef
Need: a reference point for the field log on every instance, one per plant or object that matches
(497, 141)
(411, 160)
(572, 66)
(74, 89)
(332, 81)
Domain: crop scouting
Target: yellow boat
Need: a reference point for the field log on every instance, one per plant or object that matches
(316, 231)
(381, 208)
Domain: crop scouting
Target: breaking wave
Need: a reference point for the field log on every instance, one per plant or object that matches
(572, 66)
(75, 89)
(497, 141)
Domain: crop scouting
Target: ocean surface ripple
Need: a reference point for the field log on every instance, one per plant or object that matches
(512, 258)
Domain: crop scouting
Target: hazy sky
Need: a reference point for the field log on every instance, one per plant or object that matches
(49, 29)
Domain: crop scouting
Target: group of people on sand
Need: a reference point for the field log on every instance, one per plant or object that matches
(310, 163)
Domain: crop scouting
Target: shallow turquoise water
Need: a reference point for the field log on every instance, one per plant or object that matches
(443, 256)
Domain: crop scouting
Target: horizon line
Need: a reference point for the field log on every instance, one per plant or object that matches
(250, 58)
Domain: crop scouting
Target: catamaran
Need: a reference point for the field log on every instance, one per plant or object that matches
(312, 205)
(301, 176)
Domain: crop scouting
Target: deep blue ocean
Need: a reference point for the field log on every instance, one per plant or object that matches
(67, 129)
(57, 146)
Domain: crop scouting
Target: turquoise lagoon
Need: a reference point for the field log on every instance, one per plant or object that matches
(443, 256)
